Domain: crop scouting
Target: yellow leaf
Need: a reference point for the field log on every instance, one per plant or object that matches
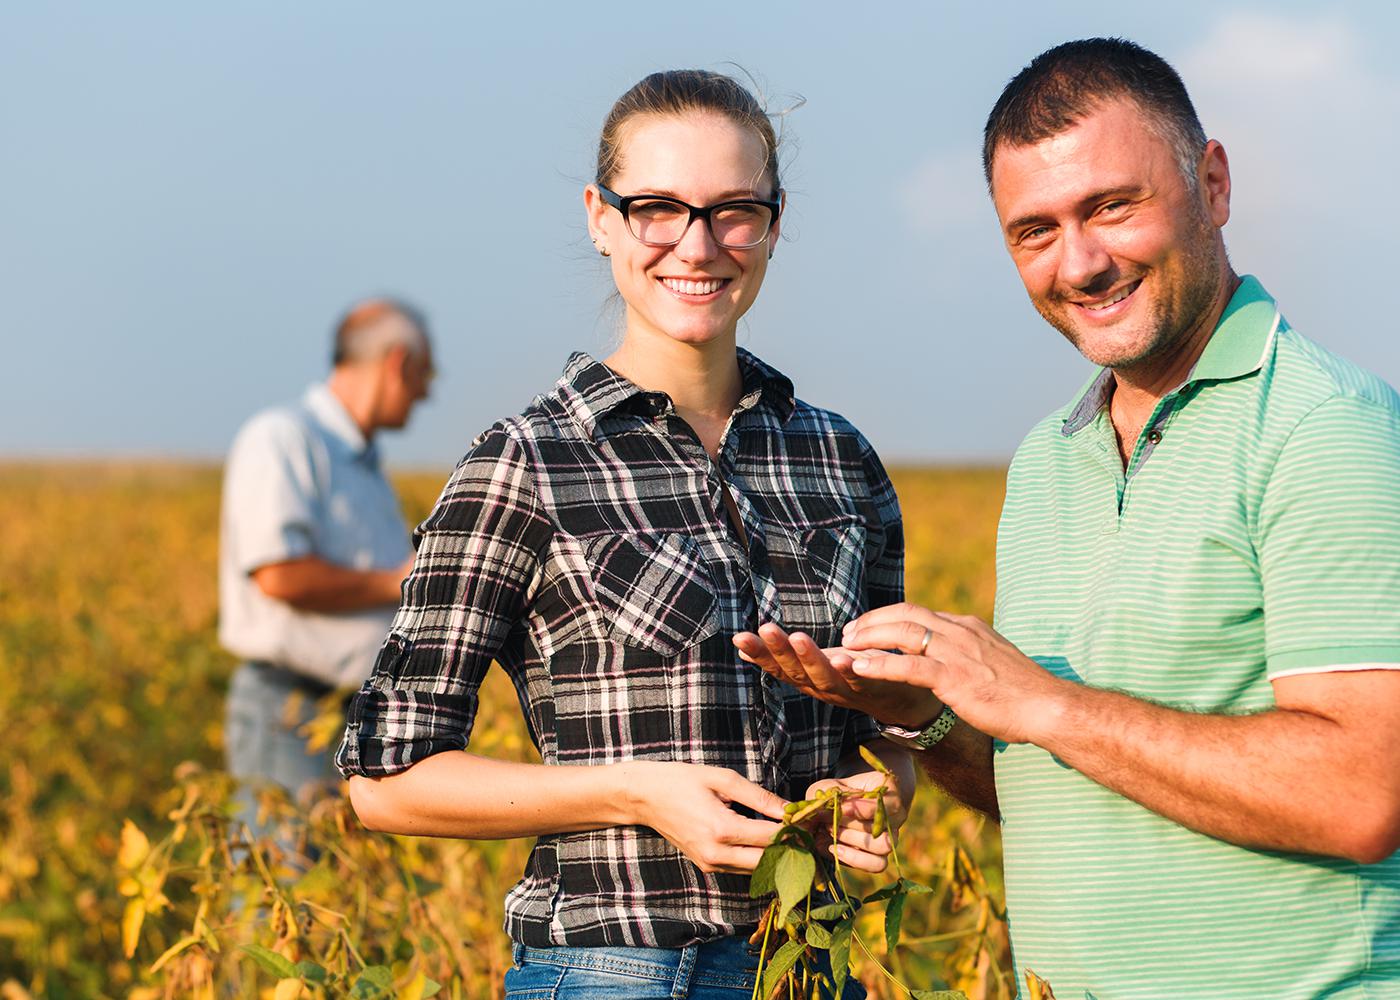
(172, 951)
(414, 989)
(287, 989)
(134, 846)
(131, 925)
(1037, 988)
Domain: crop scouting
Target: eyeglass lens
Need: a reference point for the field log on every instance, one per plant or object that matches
(662, 223)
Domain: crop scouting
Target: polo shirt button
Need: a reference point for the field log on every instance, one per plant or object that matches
(1154, 436)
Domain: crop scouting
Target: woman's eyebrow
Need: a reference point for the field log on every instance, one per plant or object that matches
(737, 194)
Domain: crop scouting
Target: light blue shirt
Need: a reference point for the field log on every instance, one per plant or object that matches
(302, 480)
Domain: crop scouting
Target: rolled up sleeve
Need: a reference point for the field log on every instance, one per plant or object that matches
(478, 559)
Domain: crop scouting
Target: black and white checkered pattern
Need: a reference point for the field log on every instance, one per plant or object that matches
(585, 546)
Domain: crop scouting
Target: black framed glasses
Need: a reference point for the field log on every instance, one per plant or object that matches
(658, 221)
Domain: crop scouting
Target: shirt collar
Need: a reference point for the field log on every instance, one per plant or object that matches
(1237, 347)
(328, 411)
(591, 390)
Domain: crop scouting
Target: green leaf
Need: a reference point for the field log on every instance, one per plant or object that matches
(830, 911)
(430, 988)
(894, 916)
(793, 874)
(841, 953)
(818, 936)
(425, 887)
(761, 882)
(911, 886)
(311, 972)
(883, 893)
(271, 962)
(374, 980)
(783, 959)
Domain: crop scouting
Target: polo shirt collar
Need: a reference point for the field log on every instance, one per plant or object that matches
(591, 390)
(1237, 347)
(330, 413)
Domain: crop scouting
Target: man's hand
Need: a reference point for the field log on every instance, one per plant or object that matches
(987, 681)
(828, 676)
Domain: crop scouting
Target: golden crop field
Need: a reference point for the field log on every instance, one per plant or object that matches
(121, 875)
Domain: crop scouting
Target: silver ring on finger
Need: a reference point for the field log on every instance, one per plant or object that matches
(928, 635)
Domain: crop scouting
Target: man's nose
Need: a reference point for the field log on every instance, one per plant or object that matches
(1082, 257)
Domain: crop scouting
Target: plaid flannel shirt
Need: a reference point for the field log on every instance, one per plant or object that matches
(585, 546)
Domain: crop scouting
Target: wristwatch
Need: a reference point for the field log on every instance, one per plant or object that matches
(921, 739)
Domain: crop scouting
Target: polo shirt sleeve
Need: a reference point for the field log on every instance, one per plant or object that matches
(1329, 542)
(270, 494)
(479, 557)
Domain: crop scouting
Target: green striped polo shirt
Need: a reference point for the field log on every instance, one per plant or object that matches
(1254, 534)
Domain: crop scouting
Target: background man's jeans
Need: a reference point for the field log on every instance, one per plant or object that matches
(261, 743)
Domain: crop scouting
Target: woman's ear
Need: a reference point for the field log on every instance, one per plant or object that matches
(595, 209)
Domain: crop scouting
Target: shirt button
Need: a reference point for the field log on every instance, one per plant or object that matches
(1154, 437)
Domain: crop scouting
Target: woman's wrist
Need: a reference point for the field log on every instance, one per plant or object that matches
(626, 794)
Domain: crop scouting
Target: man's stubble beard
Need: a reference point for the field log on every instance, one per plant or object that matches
(1171, 321)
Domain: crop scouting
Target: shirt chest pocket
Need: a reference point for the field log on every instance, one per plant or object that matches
(819, 571)
(653, 589)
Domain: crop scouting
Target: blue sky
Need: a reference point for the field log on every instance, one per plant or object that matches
(191, 195)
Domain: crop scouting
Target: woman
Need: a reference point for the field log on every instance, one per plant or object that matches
(604, 547)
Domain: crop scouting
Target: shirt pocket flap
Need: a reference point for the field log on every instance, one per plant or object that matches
(837, 552)
(653, 588)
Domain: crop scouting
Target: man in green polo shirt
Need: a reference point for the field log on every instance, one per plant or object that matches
(1189, 719)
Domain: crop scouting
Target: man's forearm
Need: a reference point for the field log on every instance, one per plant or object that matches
(961, 765)
(313, 584)
(1282, 779)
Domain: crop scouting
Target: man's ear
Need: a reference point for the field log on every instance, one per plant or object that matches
(1214, 175)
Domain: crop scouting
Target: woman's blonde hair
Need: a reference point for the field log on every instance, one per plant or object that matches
(677, 92)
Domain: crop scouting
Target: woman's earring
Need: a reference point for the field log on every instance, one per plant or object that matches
(604, 251)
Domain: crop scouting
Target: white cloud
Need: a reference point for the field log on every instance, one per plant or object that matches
(1307, 119)
(945, 193)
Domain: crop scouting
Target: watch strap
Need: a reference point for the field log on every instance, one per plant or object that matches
(922, 739)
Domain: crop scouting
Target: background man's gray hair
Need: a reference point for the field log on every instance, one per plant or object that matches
(1064, 84)
(362, 334)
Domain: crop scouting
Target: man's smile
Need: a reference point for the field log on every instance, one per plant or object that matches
(1109, 305)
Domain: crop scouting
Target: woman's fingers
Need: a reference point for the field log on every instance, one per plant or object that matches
(861, 861)
(734, 787)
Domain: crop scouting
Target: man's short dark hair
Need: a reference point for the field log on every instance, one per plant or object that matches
(1064, 84)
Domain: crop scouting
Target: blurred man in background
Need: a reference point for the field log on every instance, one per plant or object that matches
(313, 546)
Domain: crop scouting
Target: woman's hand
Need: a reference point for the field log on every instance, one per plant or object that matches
(857, 846)
(831, 675)
(691, 805)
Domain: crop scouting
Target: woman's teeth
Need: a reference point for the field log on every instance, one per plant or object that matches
(693, 287)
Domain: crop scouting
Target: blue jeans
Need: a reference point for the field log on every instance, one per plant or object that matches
(716, 970)
(262, 746)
